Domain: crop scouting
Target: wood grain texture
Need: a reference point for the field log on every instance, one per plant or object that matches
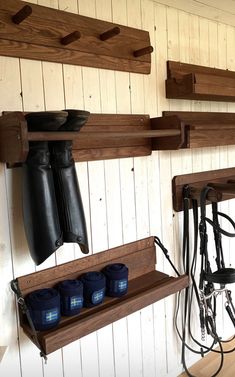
(209, 364)
(203, 129)
(198, 180)
(190, 81)
(145, 287)
(39, 37)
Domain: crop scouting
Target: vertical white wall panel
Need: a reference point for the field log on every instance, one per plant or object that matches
(124, 199)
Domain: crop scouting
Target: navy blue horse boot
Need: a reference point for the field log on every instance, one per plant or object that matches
(69, 200)
(41, 219)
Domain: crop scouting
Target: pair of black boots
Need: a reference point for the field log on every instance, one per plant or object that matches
(52, 205)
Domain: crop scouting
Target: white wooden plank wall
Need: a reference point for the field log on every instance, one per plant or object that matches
(124, 199)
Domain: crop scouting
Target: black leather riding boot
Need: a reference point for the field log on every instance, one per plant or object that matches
(69, 201)
(41, 219)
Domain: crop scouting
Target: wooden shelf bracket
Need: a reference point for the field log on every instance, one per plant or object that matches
(188, 81)
(146, 286)
(32, 31)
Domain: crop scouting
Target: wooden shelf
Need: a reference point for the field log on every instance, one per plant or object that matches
(43, 33)
(202, 129)
(196, 82)
(104, 136)
(146, 286)
(222, 180)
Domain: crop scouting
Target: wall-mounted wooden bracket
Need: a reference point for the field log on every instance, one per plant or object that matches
(36, 32)
(204, 129)
(196, 82)
(104, 136)
(222, 181)
(146, 286)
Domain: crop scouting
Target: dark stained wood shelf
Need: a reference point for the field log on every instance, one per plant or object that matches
(36, 32)
(188, 81)
(146, 286)
(107, 136)
(203, 129)
(222, 180)
(104, 136)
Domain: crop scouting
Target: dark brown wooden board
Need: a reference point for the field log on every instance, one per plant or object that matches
(146, 285)
(104, 136)
(204, 129)
(39, 37)
(199, 180)
(188, 81)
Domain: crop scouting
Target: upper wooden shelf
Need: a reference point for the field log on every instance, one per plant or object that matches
(196, 82)
(104, 136)
(146, 286)
(37, 32)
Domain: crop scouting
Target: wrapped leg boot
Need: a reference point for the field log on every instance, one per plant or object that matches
(69, 201)
(41, 219)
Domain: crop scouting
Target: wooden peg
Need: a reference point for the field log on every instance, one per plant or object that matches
(20, 16)
(143, 51)
(212, 195)
(70, 38)
(110, 33)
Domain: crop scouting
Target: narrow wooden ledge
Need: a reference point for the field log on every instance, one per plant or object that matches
(146, 286)
(188, 81)
(204, 129)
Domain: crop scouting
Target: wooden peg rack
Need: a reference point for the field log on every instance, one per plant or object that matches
(146, 286)
(196, 82)
(36, 32)
(222, 180)
(104, 136)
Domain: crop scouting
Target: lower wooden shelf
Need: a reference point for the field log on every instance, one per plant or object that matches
(146, 286)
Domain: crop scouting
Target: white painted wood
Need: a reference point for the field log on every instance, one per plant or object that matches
(10, 80)
(3, 350)
(227, 5)
(200, 8)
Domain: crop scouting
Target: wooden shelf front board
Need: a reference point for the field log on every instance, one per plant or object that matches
(188, 81)
(38, 37)
(204, 129)
(146, 285)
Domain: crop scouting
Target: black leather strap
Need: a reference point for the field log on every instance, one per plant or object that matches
(15, 288)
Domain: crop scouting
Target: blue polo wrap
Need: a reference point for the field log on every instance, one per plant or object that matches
(71, 295)
(116, 279)
(94, 288)
(44, 307)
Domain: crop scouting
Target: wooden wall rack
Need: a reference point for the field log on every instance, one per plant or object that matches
(146, 286)
(203, 129)
(222, 180)
(104, 136)
(196, 82)
(36, 32)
